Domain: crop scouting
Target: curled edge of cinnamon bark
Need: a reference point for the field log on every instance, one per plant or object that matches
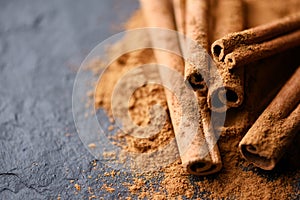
(214, 162)
(204, 167)
(209, 134)
(247, 54)
(225, 97)
(267, 140)
(196, 158)
(221, 47)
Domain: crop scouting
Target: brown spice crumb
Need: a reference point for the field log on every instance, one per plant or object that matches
(106, 174)
(108, 189)
(92, 146)
(111, 120)
(77, 187)
(92, 197)
(111, 127)
(113, 173)
(94, 163)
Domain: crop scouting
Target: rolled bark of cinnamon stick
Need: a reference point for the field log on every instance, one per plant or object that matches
(221, 47)
(229, 92)
(197, 64)
(247, 54)
(195, 158)
(229, 17)
(266, 141)
(179, 13)
(209, 134)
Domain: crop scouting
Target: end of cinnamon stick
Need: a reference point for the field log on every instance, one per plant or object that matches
(250, 153)
(199, 168)
(230, 61)
(216, 104)
(222, 99)
(230, 97)
(217, 50)
(196, 81)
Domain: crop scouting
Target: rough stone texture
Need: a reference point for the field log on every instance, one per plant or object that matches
(41, 42)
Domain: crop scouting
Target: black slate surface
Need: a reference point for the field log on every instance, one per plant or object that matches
(41, 42)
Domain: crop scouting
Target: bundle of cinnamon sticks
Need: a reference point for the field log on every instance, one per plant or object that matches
(201, 35)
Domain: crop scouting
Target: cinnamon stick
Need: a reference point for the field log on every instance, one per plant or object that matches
(247, 54)
(179, 13)
(197, 64)
(193, 148)
(209, 134)
(228, 43)
(227, 91)
(274, 130)
(229, 17)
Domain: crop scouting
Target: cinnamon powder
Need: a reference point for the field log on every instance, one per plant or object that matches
(237, 180)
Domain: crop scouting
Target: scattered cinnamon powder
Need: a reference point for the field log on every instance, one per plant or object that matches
(176, 181)
(237, 180)
(139, 104)
(108, 189)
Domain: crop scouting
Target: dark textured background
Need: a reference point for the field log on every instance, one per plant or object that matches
(41, 43)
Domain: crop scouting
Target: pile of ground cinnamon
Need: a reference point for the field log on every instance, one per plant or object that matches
(139, 103)
(237, 180)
